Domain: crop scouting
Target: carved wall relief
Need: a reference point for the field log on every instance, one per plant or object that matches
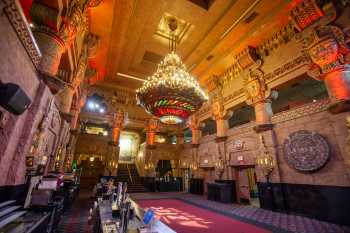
(306, 151)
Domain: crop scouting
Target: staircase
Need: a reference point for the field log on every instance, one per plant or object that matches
(128, 173)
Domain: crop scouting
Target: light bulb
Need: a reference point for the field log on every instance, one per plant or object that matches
(91, 105)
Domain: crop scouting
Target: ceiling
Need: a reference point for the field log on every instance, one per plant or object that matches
(212, 32)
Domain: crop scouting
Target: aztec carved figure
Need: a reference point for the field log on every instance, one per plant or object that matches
(306, 151)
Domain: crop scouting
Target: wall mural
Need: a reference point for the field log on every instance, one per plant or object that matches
(129, 146)
(306, 151)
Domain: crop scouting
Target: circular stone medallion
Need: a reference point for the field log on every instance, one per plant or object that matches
(306, 151)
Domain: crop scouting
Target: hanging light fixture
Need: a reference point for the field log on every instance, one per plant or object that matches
(171, 93)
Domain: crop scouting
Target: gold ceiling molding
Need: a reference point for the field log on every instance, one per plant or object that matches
(309, 8)
(163, 28)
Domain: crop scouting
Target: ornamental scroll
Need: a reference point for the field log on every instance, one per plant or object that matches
(306, 151)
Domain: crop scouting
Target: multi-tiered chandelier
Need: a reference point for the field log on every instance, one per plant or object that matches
(171, 93)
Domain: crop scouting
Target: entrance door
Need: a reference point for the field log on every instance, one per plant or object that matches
(246, 184)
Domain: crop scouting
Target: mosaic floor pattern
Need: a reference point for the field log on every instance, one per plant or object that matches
(278, 222)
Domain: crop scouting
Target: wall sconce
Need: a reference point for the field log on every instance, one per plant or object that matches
(265, 161)
(149, 166)
(194, 164)
(219, 167)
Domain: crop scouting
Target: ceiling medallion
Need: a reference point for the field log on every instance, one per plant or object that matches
(171, 93)
(180, 32)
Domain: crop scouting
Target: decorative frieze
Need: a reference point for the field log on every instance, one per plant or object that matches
(305, 110)
(287, 68)
(306, 13)
(15, 15)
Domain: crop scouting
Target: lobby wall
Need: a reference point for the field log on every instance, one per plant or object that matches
(319, 194)
(256, 74)
(18, 65)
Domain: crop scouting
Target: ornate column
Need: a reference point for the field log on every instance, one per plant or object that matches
(65, 99)
(55, 27)
(180, 138)
(218, 111)
(194, 124)
(75, 111)
(331, 63)
(257, 93)
(74, 131)
(220, 115)
(118, 119)
(260, 96)
(151, 130)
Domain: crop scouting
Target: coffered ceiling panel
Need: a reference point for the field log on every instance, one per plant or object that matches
(133, 34)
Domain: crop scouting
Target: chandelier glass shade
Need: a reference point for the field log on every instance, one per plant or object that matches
(171, 93)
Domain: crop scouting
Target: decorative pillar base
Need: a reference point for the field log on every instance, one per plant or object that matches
(263, 127)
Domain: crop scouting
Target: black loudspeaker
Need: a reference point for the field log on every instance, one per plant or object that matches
(13, 98)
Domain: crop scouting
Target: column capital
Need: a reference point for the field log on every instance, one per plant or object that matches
(118, 119)
(327, 49)
(256, 89)
(152, 125)
(56, 25)
(193, 122)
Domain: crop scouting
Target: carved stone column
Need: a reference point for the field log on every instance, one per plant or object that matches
(259, 96)
(194, 124)
(65, 99)
(118, 119)
(331, 63)
(117, 124)
(180, 139)
(257, 93)
(220, 115)
(75, 111)
(55, 28)
(218, 111)
(151, 129)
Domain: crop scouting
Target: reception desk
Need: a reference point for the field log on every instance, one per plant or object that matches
(221, 192)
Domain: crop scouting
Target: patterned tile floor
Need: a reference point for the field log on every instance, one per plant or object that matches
(281, 222)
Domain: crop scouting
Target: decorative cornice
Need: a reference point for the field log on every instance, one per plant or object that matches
(14, 13)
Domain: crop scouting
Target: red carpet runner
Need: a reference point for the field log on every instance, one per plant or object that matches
(187, 218)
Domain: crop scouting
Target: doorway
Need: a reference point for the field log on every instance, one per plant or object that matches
(92, 167)
(246, 185)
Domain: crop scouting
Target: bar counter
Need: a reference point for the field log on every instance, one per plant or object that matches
(108, 223)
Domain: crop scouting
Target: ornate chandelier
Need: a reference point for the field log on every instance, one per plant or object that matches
(171, 93)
